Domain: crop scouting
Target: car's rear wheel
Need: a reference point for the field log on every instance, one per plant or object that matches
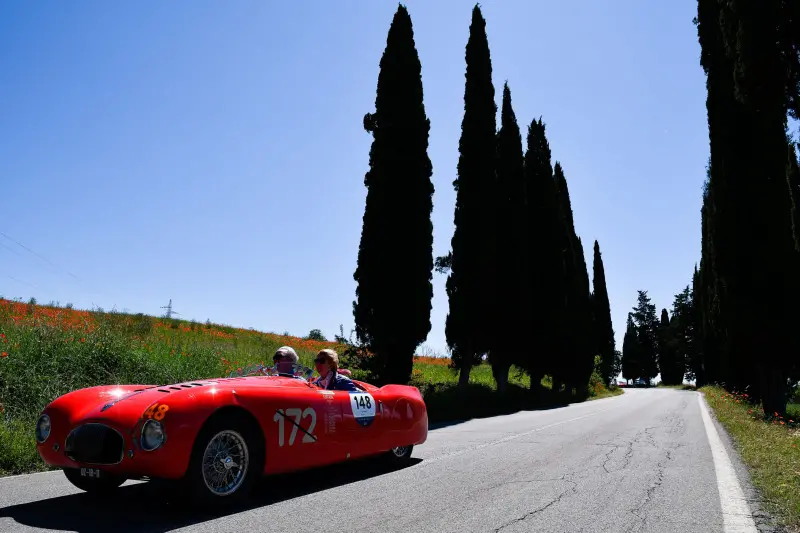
(399, 454)
(226, 461)
(93, 485)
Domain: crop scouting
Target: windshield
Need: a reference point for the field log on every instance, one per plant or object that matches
(298, 371)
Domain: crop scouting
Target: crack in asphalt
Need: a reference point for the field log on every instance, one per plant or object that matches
(662, 465)
(629, 445)
(503, 484)
(572, 489)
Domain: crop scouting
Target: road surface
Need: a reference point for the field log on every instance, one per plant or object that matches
(642, 461)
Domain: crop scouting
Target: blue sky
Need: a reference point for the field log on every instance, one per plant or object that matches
(213, 153)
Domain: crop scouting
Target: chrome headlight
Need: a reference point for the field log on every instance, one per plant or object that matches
(153, 435)
(42, 428)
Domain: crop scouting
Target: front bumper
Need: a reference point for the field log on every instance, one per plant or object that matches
(100, 444)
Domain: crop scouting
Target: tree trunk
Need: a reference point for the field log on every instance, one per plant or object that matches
(463, 375)
(536, 386)
(773, 390)
(500, 373)
(556, 390)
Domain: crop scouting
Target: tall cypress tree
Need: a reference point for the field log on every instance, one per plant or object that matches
(724, 229)
(470, 285)
(576, 322)
(605, 345)
(671, 349)
(682, 336)
(644, 316)
(631, 360)
(546, 266)
(583, 320)
(513, 299)
(395, 256)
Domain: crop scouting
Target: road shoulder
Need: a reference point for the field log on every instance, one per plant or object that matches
(765, 522)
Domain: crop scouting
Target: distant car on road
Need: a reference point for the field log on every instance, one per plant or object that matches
(641, 382)
(216, 437)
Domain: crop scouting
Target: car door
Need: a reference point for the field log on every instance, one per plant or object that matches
(362, 420)
(306, 430)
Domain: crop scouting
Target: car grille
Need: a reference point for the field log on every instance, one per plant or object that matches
(95, 444)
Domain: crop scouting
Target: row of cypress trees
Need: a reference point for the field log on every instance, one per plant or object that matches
(747, 287)
(516, 268)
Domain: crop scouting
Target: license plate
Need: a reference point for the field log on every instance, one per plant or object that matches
(90, 472)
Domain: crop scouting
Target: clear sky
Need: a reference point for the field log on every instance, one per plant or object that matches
(213, 153)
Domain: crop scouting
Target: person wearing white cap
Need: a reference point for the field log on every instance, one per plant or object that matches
(285, 358)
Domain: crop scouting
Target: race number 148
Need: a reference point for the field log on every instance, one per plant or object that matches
(363, 405)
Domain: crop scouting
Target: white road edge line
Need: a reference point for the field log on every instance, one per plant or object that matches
(736, 515)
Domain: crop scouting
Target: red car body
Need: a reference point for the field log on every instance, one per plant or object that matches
(291, 425)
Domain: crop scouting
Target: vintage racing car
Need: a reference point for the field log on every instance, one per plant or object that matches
(218, 436)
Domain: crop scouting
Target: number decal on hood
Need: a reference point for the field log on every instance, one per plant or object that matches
(157, 411)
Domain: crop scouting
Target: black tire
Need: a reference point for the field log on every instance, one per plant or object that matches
(245, 444)
(102, 486)
(399, 455)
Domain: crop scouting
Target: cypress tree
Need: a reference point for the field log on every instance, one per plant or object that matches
(723, 257)
(605, 345)
(395, 256)
(631, 363)
(696, 363)
(546, 266)
(682, 335)
(470, 285)
(644, 316)
(671, 360)
(576, 328)
(583, 320)
(512, 286)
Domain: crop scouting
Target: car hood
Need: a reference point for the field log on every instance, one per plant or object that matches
(125, 405)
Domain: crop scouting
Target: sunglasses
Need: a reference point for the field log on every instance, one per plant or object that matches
(319, 360)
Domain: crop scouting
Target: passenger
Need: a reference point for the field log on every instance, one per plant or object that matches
(327, 363)
(285, 358)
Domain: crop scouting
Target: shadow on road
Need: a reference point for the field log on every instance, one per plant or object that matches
(146, 506)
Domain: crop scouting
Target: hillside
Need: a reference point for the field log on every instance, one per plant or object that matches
(47, 351)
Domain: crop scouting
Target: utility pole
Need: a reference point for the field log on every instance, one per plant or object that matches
(168, 307)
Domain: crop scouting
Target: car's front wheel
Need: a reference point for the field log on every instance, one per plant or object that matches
(226, 461)
(92, 484)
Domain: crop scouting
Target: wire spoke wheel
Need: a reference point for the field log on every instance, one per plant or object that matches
(225, 462)
(400, 451)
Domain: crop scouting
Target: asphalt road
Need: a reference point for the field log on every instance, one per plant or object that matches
(637, 462)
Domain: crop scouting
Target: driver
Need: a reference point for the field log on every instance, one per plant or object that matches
(285, 358)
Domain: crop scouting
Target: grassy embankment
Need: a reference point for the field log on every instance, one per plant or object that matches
(769, 447)
(47, 351)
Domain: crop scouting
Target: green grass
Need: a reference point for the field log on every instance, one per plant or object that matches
(769, 447)
(46, 352)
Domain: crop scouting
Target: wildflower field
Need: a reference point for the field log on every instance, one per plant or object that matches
(47, 351)
(769, 446)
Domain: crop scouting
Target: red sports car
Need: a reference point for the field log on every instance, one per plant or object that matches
(220, 435)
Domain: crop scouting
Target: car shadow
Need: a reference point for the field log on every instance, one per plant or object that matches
(152, 507)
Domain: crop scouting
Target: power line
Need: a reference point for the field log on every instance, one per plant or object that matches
(38, 255)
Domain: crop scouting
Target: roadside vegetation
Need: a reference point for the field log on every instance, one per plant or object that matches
(47, 351)
(769, 446)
